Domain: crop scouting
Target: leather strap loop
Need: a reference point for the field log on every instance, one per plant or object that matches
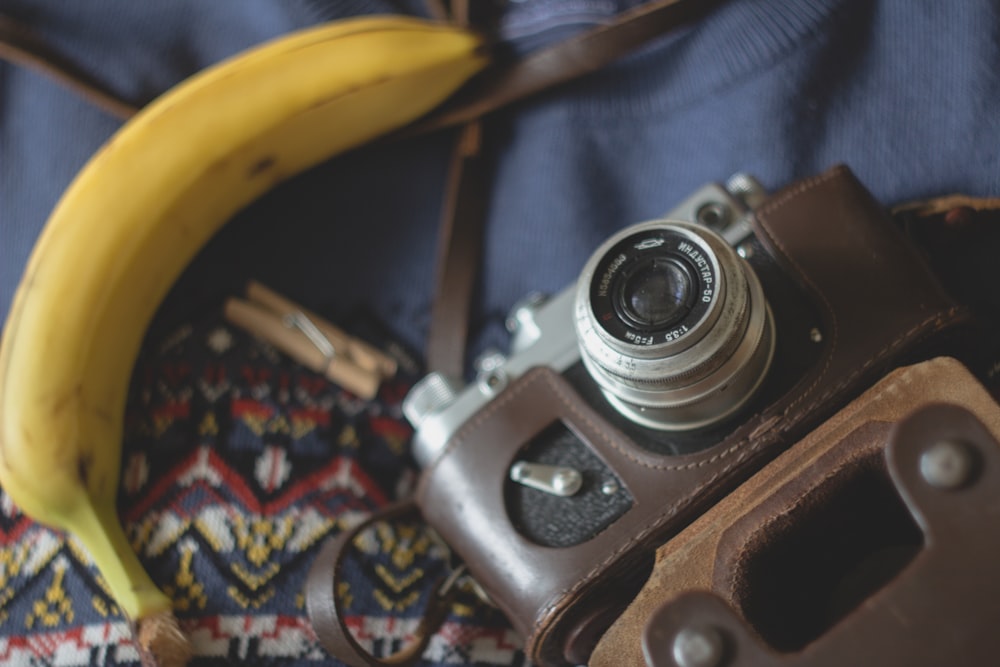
(325, 612)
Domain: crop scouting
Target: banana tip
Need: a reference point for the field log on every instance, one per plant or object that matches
(162, 643)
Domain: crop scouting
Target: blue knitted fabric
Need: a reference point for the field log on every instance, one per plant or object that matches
(226, 439)
(903, 91)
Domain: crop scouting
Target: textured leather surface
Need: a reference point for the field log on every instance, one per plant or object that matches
(959, 237)
(705, 555)
(877, 301)
(940, 609)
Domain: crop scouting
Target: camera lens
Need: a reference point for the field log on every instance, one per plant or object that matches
(657, 293)
(673, 325)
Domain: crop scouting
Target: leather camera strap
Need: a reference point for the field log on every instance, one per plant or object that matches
(323, 604)
(459, 250)
(589, 51)
(20, 45)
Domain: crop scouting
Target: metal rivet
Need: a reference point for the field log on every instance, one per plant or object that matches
(609, 488)
(815, 335)
(745, 251)
(698, 647)
(947, 464)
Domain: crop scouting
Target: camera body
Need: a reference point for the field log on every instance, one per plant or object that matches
(552, 331)
(690, 351)
(726, 275)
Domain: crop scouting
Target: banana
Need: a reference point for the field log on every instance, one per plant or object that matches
(135, 216)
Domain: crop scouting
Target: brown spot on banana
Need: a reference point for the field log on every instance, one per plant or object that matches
(102, 413)
(83, 464)
(261, 166)
(63, 402)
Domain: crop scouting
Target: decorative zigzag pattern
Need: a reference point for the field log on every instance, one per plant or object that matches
(237, 465)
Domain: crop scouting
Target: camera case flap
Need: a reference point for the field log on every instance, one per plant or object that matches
(878, 303)
(869, 542)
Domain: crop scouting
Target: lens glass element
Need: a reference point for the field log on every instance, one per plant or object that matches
(656, 293)
(653, 287)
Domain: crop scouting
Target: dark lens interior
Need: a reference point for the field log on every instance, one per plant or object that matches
(657, 293)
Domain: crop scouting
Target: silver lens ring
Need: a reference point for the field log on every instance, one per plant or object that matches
(673, 348)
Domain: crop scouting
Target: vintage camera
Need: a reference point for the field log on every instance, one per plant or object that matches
(690, 351)
(668, 334)
(667, 329)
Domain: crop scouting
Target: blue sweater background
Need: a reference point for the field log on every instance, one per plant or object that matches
(904, 91)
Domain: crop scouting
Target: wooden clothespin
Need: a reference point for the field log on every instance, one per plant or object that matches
(312, 341)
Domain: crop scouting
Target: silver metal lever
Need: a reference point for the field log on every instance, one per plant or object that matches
(556, 480)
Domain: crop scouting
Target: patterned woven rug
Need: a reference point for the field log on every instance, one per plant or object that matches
(237, 464)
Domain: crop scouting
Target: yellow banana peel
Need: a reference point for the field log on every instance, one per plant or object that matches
(136, 215)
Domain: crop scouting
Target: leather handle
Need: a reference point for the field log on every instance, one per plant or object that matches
(326, 615)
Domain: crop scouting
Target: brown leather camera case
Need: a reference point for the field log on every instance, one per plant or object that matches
(753, 567)
(877, 301)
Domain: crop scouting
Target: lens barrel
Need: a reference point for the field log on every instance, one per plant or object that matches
(673, 325)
